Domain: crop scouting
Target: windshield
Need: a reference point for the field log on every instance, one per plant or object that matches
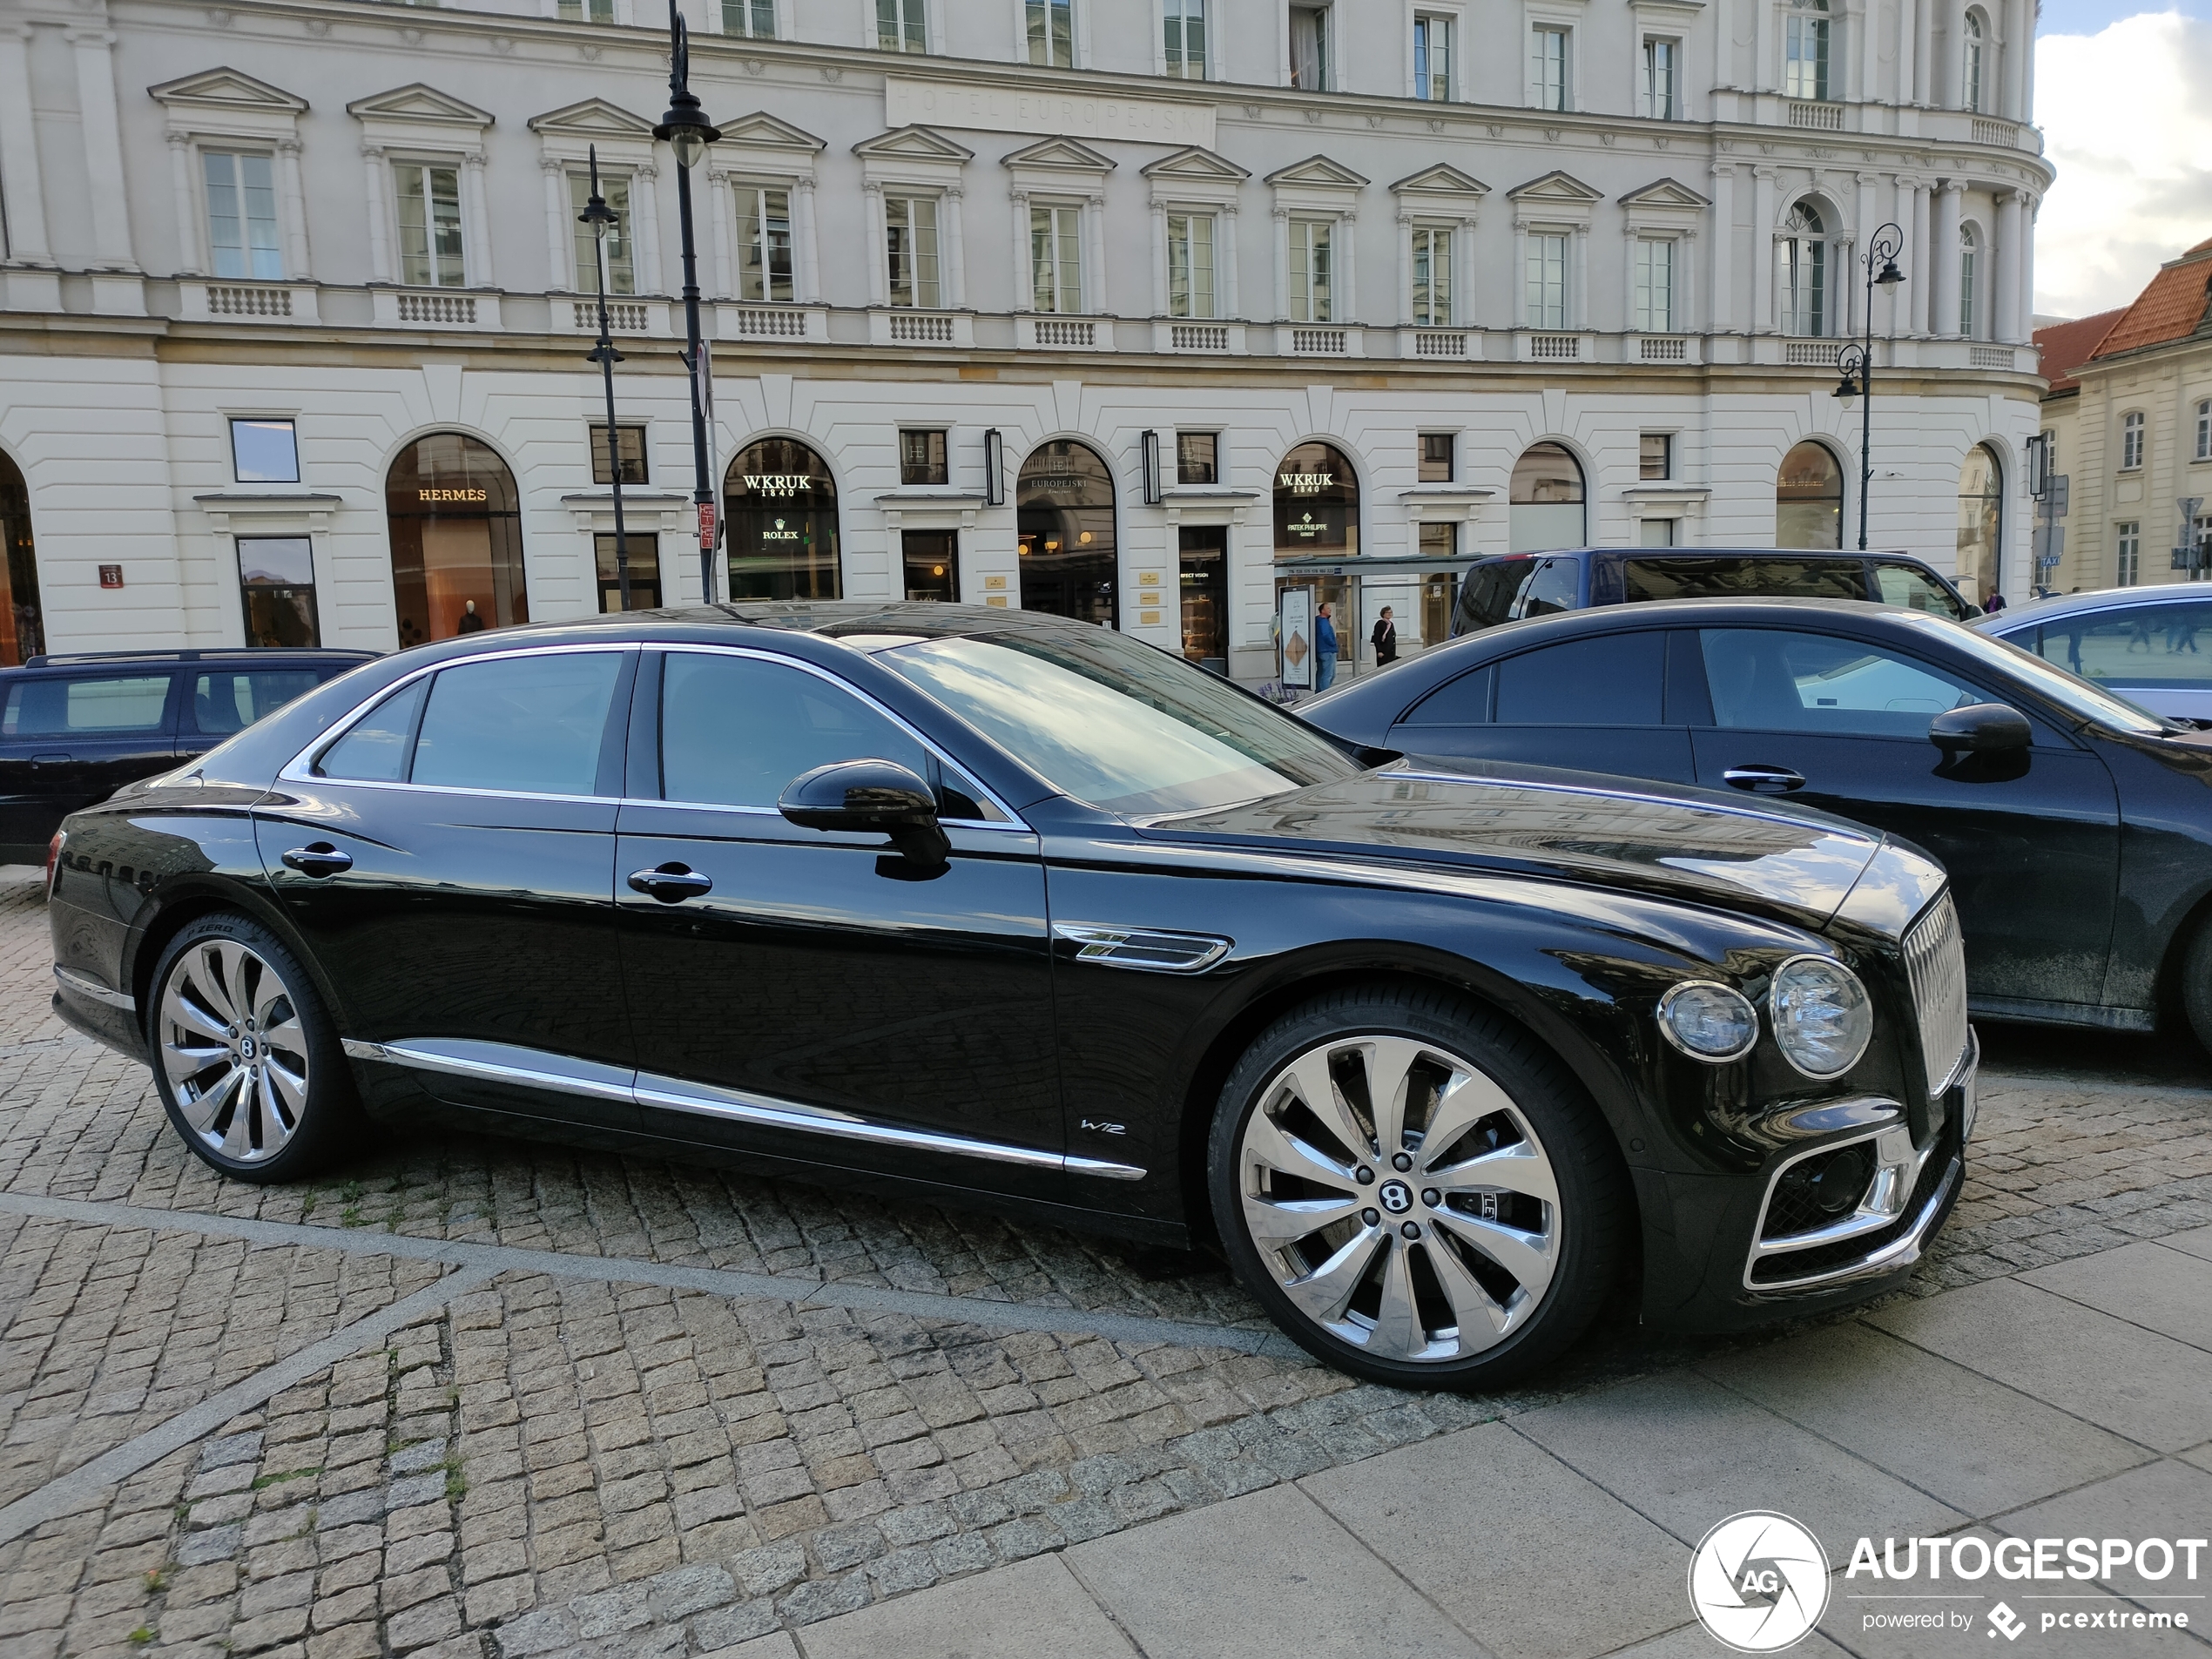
(1120, 725)
(2070, 692)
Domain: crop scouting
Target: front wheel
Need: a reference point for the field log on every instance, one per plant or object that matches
(249, 1068)
(1417, 1192)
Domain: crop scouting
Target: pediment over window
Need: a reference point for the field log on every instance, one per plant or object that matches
(1061, 155)
(420, 106)
(593, 118)
(1317, 172)
(228, 89)
(1441, 180)
(1665, 192)
(912, 144)
(1192, 166)
(761, 131)
(1562, 189)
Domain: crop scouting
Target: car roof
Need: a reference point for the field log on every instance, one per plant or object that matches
(2069, 605)
(1663, 553)
(54, 660)
(861, 624)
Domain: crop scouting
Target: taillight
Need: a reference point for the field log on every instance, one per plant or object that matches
(54, 858)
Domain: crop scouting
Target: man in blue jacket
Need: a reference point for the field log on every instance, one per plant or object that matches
(1324, 649)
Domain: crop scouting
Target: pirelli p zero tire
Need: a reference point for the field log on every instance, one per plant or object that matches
(249, 1068)
(1417, 1191)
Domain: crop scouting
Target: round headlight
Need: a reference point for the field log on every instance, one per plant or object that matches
(1709, 1022)
(1822, 1017)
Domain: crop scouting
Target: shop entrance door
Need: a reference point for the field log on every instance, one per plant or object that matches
(1205, 576)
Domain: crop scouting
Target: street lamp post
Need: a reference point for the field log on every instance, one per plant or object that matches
(1855, 361)
(688, 132)
(602, 220)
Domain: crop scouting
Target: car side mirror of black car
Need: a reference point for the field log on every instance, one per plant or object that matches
(870, 795)
(1969, 611)
(1979, 728)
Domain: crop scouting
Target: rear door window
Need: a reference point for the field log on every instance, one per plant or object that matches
(2166, 647)
(1464, 700)
(522, 724)
(224, 703)
(1740, 578)
(1915, 590)
(102, 706)
(1611, 680)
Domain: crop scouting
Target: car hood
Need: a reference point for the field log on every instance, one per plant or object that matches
(1652, 837)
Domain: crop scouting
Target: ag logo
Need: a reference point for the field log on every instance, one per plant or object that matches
(1758, 1582)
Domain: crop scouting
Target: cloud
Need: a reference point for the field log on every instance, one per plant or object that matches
(2125, 121)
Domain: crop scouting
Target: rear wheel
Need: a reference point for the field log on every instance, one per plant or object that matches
(1417, 1192)
(248, 1066)
(2196, 983)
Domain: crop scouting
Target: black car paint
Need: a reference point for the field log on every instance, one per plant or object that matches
(839, 979)
(2081, 865)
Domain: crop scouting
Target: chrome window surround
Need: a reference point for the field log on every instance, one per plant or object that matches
(508, 1063)
(1775, 1020)
(1667, 1031)
(1157, 950)
(1898, 1164)
(300, 768)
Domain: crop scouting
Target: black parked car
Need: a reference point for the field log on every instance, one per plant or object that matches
(1521, 586)
(977, 906)
(2077, 828)
(73, 730)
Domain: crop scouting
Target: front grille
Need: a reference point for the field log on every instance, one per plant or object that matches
(1935, 959)
(1849, 1252)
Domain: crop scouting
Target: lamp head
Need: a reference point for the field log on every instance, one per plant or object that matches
(685, 126)
(1890, 276)
(597, 213)
(1846, 388)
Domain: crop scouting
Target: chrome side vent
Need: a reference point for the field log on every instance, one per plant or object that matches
(1935, 961)
(1142, 948)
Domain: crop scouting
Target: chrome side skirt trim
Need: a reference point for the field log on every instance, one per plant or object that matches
(84, 985)
(535, 1069)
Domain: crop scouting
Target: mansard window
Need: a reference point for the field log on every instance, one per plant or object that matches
(763, 244)
(901, 26)
(1654, 301)
(241, 214)
(1052, 32)
(1803, 285)
(1313, 246)
(1433, 58)
(1190, 265)
(621, 254)
(1805, 70)
(1970, 92)
(430, 205)
(1551, 66)
(1661, 59)
(1184, 22)
(910, 250)
(1310, 48)
(753, 17)
(1056, 258)
(1432, 276)
(1547, 279)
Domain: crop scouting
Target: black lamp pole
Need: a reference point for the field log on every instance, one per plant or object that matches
(602, 220)
(688, 132)
(1855, 360)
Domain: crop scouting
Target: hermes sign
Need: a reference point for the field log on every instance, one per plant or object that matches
(1066, 115)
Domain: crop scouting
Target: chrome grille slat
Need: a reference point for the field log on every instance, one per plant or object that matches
(1935, 961)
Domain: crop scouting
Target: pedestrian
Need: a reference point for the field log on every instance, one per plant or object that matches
(1386, 639)
(470, 622)
(1995, 603)
(1324, 649)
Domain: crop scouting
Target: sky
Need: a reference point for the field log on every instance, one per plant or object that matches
(2120, 96)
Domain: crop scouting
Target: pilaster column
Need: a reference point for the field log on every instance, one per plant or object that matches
(1629, 240)
(1685, 318)
(557, 238)
(1520, 312)
(1282, 265)
(1943, 306)
(2025, 294)
(1406, 270)
(1908, 42)
(1763, 319)
(1920, 310)
(100, 132)
(19, 179)
(720, 204)
(1094, 272)
(483, 271)
(191, 261)
(1869, 221)
(1924, 64)
(809, 274)
(872, 204)
(1463, 272)
(375, 180)
(1720, 313)
(1230, 303)
(294, 194)
(1347, 271)
(1018, 251)
(1578, 309)
(2020, 54)
(644, 211)
(1160, 260)
(955, 250)
(2005, 296)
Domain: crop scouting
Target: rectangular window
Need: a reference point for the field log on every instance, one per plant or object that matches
(1312, 273)
(1055, 258)
(753, 17)
(1433, 59)
(1310, 46)
(630, 442)
(429, 200)
(763, 244)
(1805, 287)
(2204, 430)
(1659, 60)
(622, 268)
(1436, 542)
(1966, 262)
(241, 215)
(277, 583)
(1436, 461)
(587, 10)
(644, 571)
(922, 456)
(910, 249)
(265, 452)
(1655, 455)
(1655, 285)
(2130, 541)
(1549, 68)
(1432, 276)
(1190, 265)
(932, 560)
(1805, 69)
(901, 26)
(1197, 457)
(60, 708)
(1052, 32)
(1186, 22)
(1547, 281)
(2131, 440)
(1657, 532)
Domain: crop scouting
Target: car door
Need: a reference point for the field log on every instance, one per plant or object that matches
(1603, 703)
(816, 995)
(448, 859)
(2031, 838)
(72, 738)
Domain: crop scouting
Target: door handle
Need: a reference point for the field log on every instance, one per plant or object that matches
(1765, 781)
(672, 883)
(319, 859)
(49, 760)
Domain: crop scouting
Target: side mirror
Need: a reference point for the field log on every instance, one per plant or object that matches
(1979, 728)
(1970, 611)
(864, 795)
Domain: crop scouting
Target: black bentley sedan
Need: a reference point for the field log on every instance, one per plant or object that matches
(1004, 908)
(2076, 827)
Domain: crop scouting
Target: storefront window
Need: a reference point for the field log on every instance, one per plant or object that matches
(22, 634)
(277, 580)
(1316, 504)
(1203, 557)
(1064, 501)
(781, 505)
(1981, 512)
(644, 571)
(1545, 507)
(1809, 499)
(457, 539)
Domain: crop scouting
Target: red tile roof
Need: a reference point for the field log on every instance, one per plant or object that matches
(2170, 309)
(2067, 346)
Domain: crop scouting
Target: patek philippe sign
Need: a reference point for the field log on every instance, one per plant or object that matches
(1067, 115)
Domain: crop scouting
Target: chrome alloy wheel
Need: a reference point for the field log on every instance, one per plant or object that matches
(233, 1050)
(1399, 1198)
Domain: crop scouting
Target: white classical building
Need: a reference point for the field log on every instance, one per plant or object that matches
(1137, 310)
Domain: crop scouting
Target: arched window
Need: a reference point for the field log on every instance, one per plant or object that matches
(1971, 64)
(23, 633)
(1063, 504)
(1969, 264)
(1545, 501)
(781, 504)
(1809, 498)
(456, 531)
(1981, 503)
(1804, 61)
(1803, 282)
(1316, 504)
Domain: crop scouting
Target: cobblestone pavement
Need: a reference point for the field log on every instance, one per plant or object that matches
(219, 1434)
